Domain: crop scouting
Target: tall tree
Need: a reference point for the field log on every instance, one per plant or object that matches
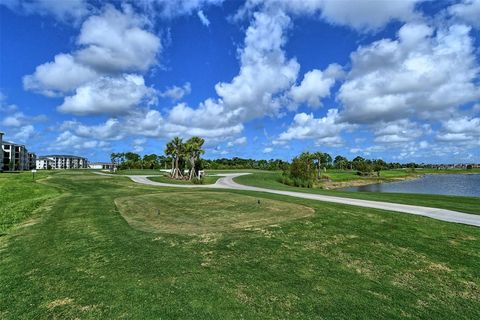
(150, 161)
(320, 158)
(193, 150)
(328, 159)
(133, 160)
(169, 152)
(177, 151)
(113, 158)
(302, 170)
(340, 162)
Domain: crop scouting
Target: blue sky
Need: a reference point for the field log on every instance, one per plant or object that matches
(397, 80)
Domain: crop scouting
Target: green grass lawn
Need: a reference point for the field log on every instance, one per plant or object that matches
(20, 196)
(166, 179)
(465, 204)
(348, 175)
(209, 212)
(80, 259)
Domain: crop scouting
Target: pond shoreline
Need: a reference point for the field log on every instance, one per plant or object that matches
(440, 184)
(334, 185)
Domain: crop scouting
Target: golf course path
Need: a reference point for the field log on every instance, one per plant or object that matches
(226, 182)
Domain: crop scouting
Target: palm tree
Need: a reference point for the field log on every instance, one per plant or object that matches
(177, 151)
(193, 150)
(114, 157)
(320, 157)
(169, 151)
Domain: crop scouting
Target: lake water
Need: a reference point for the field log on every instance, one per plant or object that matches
(446, 184)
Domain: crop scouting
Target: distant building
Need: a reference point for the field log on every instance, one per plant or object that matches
(44, 163)
(14, 157)
(32, 160)
(102, 166)
(60, 161)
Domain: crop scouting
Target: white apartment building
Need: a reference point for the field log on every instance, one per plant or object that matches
(15, 157)
(60, 161)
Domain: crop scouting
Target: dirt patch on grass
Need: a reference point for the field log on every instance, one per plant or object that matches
(59, 303)
(205, 212)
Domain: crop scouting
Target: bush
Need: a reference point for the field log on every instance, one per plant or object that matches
(363, 168)
(325, 177)
(296, 182)
(363, 173)
(197, 181)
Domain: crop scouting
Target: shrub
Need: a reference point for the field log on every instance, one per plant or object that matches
(296, 182)
(197, 180)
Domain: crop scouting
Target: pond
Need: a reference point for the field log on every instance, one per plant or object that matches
(445, 184)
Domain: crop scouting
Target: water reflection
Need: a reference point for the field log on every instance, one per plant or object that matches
(446, 184)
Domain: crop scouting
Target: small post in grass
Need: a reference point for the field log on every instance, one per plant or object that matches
(33, 174)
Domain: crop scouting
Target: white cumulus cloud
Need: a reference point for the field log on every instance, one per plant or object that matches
(176, 93)
(316, 84)
(108, 95)
(115, 42)
(203, 18)
(64, 11)
(421, 73)
(467, 11)
(62, 75)
(363, 15)
(110, 44)
(325, 130)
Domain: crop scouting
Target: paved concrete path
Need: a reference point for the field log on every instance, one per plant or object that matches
(226, 182)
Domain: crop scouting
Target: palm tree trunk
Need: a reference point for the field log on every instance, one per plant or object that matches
(192, 170)
(176, 168)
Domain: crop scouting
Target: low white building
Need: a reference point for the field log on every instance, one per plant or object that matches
(61, 161)
(103, 166)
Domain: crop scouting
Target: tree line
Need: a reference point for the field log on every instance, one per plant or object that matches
(183, 159)
(132, 160)
(241, 163)
(306, 169)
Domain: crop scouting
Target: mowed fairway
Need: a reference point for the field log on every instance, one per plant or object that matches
(78, 257)
(203, 212)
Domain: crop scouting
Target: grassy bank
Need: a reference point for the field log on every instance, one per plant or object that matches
(20, 196)
(272, 180)
(83, 260)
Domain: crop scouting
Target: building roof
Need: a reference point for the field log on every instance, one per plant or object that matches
(12, 143)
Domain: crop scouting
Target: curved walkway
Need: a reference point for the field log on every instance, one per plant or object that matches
(227, 183)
